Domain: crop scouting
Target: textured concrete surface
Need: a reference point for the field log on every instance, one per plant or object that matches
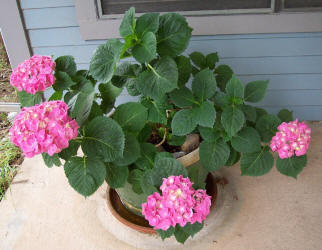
(42, 212)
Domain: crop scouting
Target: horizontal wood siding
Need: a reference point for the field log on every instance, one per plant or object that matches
(37, 4)
(291, 61)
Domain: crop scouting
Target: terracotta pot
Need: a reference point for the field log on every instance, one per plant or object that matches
(132, 201)
(138, 223)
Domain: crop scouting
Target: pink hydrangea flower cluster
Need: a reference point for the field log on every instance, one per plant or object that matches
(34, 75)
(291, 138)
(178, 204)
(44, 128)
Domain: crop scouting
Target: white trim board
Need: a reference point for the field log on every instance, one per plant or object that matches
(92, 27)
(13, 33)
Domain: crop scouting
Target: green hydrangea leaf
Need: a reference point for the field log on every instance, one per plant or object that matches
(66, 64)
(198, 59)
(234, 157)
(213, 154)
(223, 74)
(81, 82)
(285, 115)
(131, 116)
(232, 119)
(69, 152)
(256, 163)
(145, 50)
(183, 233)
(260, 112)
(246, 141)
(204, 85)
(235, 88)
(197, 174)
(145, 133)
(85, 174)
(81, 103)
(211, 60)
(163, 78)
(51, 160)
(105, 59)
(184, 69)
(176, 140)
(131, 151)
(267, 126)
(221, 99)
(127, 26)
(156, 109)
(165, 167)
(103, 138)
(69, 95)
(291, 166)
(183, 122)
(173, 35)
(131, 87)
(205, 114)
(95, 111)
(63, 81)
(208, 134)
(194, 70)
(109, 93)
(116, 176)
(166, 234)
(249, 111)
(148, 22)
(182, 97)
(28, 100)
(135, 177)
(85, 74)
(148, 153)
(125, 72)
(129, 42)
(147, 182)
(57, 95)
(180, 235)
(160, 155)
(192, 229)
(255, 91)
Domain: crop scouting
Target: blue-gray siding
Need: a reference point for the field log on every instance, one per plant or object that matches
(292, 61)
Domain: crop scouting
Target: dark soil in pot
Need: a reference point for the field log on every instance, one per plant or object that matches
(155, 139)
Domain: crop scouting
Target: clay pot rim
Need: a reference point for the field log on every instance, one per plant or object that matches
(189, 159)
(143, 229)
(125, 222)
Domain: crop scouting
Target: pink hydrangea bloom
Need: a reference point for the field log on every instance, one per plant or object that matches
(44, 128)
(178, 204)
(34, 75)
(292, 138)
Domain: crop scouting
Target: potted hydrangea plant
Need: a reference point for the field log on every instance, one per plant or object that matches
(149, 150)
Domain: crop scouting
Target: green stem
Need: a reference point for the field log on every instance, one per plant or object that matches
(79, 139)
(153, 70)
(43, 97)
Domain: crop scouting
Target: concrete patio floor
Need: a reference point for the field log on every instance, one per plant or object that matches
(41, 211)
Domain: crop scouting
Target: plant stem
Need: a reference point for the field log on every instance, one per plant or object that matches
(163, 139)
(43, 97)
(153, 70)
